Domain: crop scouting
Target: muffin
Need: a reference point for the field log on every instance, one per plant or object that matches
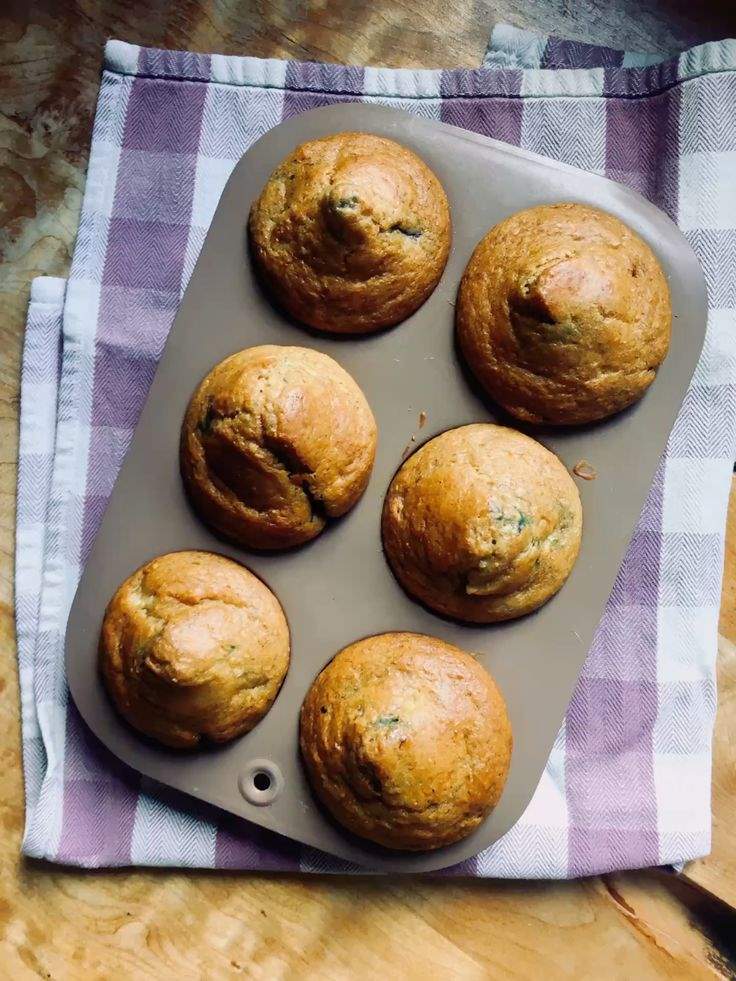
(482, 524)
(275, 441)
(406, 741)
(563, 314)
(193, 647)
(351, 233)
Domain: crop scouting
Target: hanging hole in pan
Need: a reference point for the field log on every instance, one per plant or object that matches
(261, 782)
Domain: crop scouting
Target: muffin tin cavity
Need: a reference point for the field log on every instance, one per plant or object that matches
(351, 233)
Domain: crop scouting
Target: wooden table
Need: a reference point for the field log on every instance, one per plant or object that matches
(56, 923)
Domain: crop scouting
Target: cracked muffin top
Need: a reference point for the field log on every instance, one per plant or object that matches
(351, 233)
(482, 523)
(193, 647)
(406, 740)
(275, 441)
(563, 314)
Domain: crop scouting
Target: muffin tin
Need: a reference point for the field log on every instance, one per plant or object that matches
(339, 588)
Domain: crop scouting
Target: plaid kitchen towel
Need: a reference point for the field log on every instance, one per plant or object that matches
(628, 781)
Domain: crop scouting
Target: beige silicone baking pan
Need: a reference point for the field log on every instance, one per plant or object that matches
(339, 587)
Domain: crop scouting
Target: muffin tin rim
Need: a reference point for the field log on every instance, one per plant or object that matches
(403, 127)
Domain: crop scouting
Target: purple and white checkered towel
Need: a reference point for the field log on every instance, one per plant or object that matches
(628, 781)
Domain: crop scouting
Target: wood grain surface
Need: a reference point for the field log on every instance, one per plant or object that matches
(57, 923)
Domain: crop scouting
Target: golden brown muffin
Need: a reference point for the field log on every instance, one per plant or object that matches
(351, 233)
(406, 740)
(563, 314)
(482, 523)
(275, 441)
(193, 647)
